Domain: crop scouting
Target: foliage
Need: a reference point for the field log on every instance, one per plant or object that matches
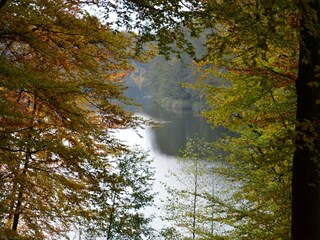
(243, 194)
(256, 100)
(253, 45)
(249, 76)
(121, 202)
(60, 93)
(257, 42)
(259, 158)
(165, 79)
(194, 208)
(261, 42)
(305, 174)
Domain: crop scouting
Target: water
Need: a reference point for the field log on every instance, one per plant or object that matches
(164, 144)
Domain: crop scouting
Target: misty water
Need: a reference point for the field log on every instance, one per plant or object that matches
(164, 144)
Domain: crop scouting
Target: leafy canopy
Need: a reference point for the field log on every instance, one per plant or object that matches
(61, 93)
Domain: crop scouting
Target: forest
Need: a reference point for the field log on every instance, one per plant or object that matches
(165, 81)
(251, 67)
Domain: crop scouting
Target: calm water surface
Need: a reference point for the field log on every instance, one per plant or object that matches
(164, 144)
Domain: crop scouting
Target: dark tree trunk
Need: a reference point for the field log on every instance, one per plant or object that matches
(306, 165)
(16, 216)
(111, 216)
(18, 210)
(2, 3)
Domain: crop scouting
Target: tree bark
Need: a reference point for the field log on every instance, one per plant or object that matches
(111, 219)
(2, 3)
(17, 213)
(306, 174)
(195, 193)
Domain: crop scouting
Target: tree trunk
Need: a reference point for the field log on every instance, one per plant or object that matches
(195, 193)
(306, 165)
(16, 216)
(2, 3)
(111, 216)
(17, 212)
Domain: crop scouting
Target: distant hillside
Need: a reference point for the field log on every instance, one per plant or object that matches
(162, 81)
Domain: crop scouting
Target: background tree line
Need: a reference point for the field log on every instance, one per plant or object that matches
(163, 80)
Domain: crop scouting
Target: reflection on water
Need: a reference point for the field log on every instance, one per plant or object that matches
(164, 144)
(163, 164)
(177, 128)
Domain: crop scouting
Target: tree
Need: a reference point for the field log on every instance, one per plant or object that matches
(2, 3)
(306, 177)
(191, 209)
(258, 158)
(60, 93)
(251, 37)
(123, 201)
(261, 122)
(246, 31)
(165, 80)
